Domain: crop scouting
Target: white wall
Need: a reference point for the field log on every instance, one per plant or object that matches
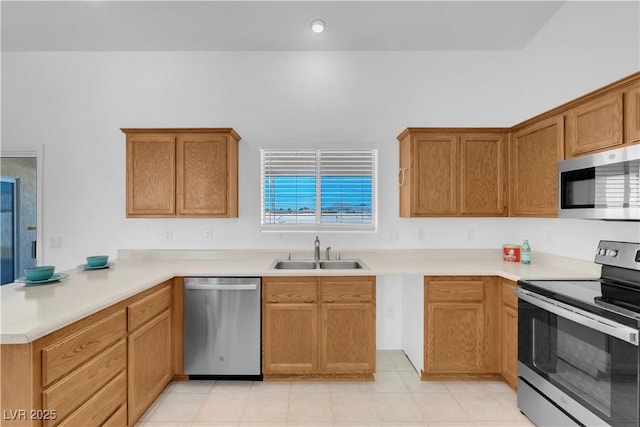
(584, 46)
(75, 103)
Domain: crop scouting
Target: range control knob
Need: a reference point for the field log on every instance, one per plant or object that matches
(612, 253)
(602, 251)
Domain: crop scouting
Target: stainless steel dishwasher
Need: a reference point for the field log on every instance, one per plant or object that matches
(222, 327)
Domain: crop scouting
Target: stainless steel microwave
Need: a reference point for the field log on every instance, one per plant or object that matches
(604, 185)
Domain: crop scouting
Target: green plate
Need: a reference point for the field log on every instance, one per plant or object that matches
(55, 278)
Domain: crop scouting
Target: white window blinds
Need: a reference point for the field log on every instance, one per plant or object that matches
(318, 189)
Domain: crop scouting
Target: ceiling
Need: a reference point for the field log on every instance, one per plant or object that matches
(270, 25)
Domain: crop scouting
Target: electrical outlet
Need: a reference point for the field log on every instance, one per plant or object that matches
(470, 234)
(168, 235)
(55, 242)
(421, 234)
(208, 235)
(393, 234)
(390, 313)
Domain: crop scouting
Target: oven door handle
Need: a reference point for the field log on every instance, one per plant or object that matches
(590, 320)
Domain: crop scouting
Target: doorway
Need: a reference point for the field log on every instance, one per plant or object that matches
(20, 212)
(8, 229)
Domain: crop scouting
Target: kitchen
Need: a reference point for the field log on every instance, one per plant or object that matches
(299, 98)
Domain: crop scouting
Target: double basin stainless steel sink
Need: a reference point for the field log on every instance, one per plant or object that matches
(342, 264)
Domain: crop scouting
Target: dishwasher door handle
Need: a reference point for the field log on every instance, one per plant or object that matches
(241, 287)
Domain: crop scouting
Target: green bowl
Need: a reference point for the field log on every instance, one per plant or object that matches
(42, 272)
(97, 260)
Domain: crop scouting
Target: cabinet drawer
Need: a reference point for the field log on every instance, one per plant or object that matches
(148, 307)
(453, 290)
(101, 406)
(66, 354)
(84, 382)
(119, 419)
(290, 289)
(508, 297)
(357, 289)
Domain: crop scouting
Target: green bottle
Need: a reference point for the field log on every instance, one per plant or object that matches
(525, 253)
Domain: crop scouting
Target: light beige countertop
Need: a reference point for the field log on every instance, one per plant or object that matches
(30, 312)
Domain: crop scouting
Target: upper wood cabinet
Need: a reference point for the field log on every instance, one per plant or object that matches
(452, 172)
(595, 125)
(534, 154)
(632, 114)
(182, 172)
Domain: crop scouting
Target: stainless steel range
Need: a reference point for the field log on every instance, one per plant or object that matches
(578, 351)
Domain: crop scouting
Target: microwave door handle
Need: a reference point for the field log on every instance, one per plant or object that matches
(589, 320)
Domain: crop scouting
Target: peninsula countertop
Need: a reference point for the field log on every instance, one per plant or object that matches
(30, 312)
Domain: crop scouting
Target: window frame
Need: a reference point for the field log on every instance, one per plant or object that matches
(318, 226)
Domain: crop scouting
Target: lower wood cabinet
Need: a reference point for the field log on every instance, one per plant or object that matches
(103, 370)
(318, 327)
(509, 321)
(461, 328)
(150, 347)
(290, 325)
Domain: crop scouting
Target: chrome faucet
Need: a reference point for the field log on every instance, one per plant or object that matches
(316, 245)
(328, 249)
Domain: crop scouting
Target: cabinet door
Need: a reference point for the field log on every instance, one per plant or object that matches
(348, 338)
(290, 338)
(151, 175)
(455, 337)
(434, 178)
(510, 345)
(594, 126)
(535, 151)
(483, 175)
(202, 184)
(149, 363)
(632, 115)
(509, 334)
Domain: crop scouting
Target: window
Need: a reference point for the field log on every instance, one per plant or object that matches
(312, 189)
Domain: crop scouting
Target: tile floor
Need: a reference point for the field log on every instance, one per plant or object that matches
(396, 398)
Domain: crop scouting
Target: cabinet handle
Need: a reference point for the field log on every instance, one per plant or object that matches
(401, 174)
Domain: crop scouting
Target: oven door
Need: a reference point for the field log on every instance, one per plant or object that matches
(588, 364)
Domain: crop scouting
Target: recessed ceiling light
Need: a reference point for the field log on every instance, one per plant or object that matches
(318, 25)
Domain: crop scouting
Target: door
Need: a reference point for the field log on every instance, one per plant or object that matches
(455, 337)
(535, 152)
(202, 175)
(348, 337)
(483, 175)
(435, 175)
(8, 230)
(25, 166)
(290, 338)
(151, 175)
(594, 126)
(149, 366)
